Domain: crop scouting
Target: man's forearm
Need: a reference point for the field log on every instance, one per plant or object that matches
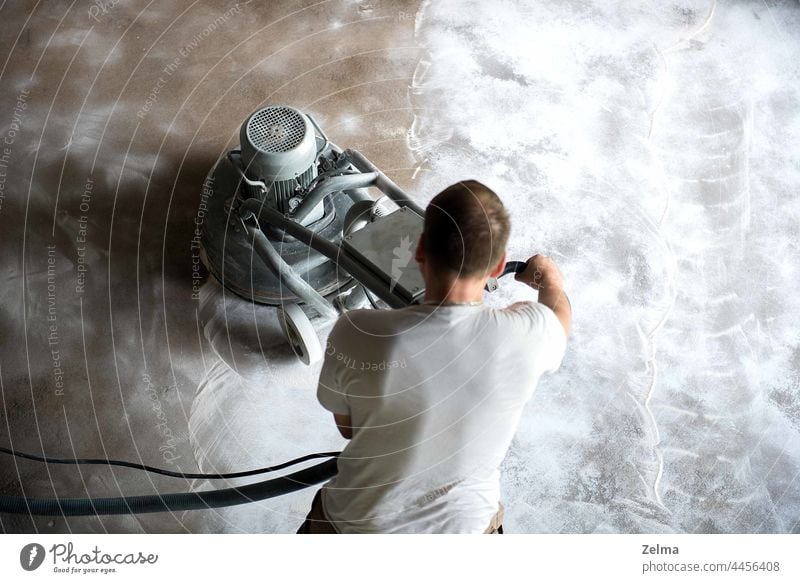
(543, 274)
(555, 298)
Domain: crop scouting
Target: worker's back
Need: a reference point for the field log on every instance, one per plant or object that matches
(435, 394)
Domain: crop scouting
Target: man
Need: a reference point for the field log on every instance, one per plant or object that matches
(430, 395)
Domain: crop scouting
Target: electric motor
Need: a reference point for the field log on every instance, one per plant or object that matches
(279, 148)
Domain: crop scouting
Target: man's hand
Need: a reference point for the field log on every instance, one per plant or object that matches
(543, 274)
(541, 271)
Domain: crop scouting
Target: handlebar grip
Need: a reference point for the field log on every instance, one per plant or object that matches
(510, 267)
(514, 267)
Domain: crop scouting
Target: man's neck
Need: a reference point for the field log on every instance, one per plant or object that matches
(457, 291)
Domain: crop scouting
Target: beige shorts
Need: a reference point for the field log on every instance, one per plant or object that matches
(317, 523)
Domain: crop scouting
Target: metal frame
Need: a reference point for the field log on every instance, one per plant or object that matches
(352, 185)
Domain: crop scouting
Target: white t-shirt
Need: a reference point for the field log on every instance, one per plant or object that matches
(435, 395)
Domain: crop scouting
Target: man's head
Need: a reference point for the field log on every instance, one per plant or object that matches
(466, 231)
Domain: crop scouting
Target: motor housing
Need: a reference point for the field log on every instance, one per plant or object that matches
(279, 148)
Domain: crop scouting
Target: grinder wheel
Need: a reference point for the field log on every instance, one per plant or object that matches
(300, 333)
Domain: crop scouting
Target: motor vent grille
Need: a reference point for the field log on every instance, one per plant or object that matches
(276, 129)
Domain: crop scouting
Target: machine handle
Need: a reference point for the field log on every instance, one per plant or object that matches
(510, 267)
(514, 267)
(320, 134)
(238, 167)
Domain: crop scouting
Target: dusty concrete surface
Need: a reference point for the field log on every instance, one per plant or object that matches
(124, 108)
(651, 148)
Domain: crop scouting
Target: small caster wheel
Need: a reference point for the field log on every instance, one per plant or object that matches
(300, 333)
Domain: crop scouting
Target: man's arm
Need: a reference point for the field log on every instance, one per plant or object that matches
(345, 425)
(556, 299)
(331, 385)
(543, 274)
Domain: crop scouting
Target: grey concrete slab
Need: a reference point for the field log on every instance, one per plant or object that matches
(125, 108)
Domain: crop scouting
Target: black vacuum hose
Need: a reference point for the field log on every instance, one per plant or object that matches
(170, 502)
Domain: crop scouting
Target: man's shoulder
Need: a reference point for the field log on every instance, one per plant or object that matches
(537, 317)
(521, 305)
(543, 327)
(356, 319)
(369, 321)
(527, 308)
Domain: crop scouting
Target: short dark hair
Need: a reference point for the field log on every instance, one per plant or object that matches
(466, 229)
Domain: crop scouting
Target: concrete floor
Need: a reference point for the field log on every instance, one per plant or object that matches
(652, 150)
(128, 342)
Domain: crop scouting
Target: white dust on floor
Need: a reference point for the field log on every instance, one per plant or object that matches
(649, 149)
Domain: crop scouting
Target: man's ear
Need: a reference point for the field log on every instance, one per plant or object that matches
(419, 255)
(498, 269)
